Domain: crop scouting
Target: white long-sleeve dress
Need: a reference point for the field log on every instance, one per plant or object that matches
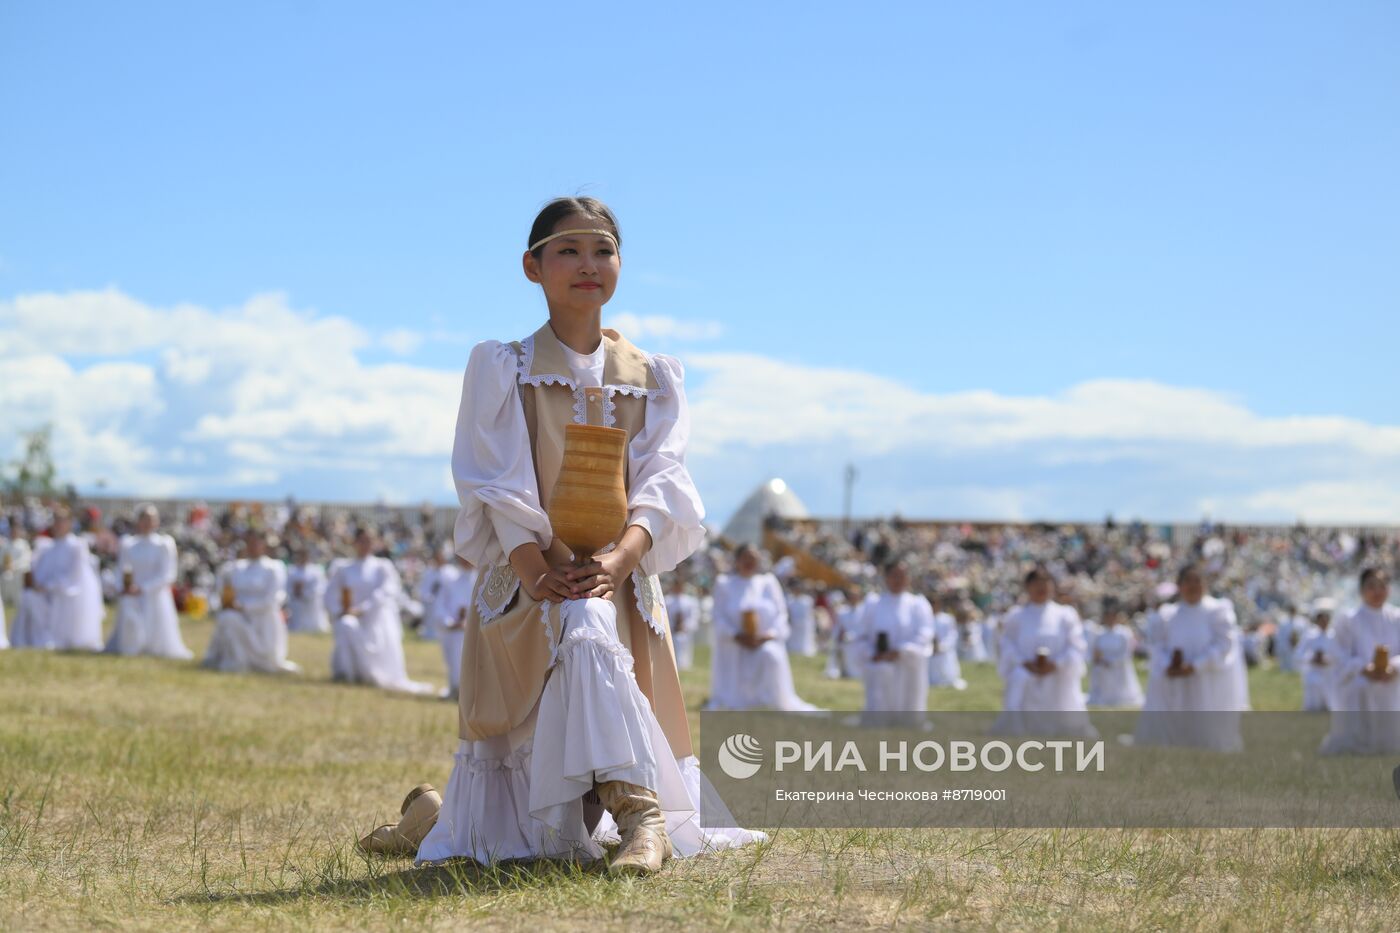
(147, 622)
(1113, 680)
(521, 794)
(944, 668)
(971, 648)
(1042, 703)
(1366, 719)
(1318, 659)
(802, 625)
(306, 593)
(250, 635)
(64, 571)
(1201, 709)
(907, 621)
(29, 628)
(683, 610)
(430, 586)
(368, 646)
(447, 614)
(752, 678)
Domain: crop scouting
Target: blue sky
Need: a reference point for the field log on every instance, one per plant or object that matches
(1060, 232)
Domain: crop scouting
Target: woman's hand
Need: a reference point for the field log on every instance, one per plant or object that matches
(602, 575)
(551, 586)
(605, 572)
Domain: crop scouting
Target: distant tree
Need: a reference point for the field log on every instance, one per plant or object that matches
(34, 473)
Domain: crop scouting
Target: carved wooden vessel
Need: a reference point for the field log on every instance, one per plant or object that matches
(588, 507)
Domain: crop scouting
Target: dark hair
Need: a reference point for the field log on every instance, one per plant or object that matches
(556, 210)
(1372, 573)
(1038, 572)
(893, 562)
(1188, 569)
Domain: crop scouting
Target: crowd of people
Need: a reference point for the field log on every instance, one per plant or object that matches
(260, 571)
(1064, 613)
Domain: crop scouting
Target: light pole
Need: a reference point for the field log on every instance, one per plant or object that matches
(851, 475)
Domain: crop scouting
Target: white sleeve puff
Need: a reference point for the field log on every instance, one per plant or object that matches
(491, 462)
(662, 497)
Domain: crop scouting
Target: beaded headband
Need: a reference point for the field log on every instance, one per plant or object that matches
(554, 236)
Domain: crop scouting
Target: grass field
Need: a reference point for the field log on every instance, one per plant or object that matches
(144, 794)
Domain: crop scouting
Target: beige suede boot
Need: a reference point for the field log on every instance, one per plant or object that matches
(420, 812)
(640, 822)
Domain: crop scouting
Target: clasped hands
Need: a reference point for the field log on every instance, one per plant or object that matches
(1371, 673)
(559, 576)
(1040, 666)
(752, 641)
(1185, 670)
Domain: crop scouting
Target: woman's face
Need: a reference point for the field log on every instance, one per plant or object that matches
(577, 272)
(1192, 588)
(1376, 592)
(746, 565)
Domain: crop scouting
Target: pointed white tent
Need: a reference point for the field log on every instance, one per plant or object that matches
(772, 498)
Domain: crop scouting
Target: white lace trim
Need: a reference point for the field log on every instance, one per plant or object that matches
(484, 610)
(550, 632)
(580, 407)
(527, 362)
(608, 405)
(603, 643)
(638, 588)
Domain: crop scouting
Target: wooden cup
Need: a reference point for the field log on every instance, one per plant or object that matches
(588, 507)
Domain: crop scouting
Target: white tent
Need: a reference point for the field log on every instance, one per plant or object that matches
(772, 498)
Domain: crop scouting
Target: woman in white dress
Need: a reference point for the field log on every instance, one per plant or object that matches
(896, 632)
(1113, 679)
(802, 622)
(570, 703)
(1317, 658)
(683, 609)
(944, 666)
(751, 669)
(448, 614)
(30, 626)
(1196, 685)
(363, 595)
(440, 573)
(147, 622)
(249, 634)
(971, 647)
(1041, 662)
(1366, 719)
(306, 584)
(64, 573)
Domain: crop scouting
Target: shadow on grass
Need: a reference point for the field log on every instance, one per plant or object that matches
(458, 877)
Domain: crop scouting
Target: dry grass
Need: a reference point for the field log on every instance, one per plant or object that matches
(142, 794)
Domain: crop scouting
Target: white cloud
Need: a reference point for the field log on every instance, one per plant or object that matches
(1360, 502)
(266, 399)
(402, 342)
(808, 404)
(639, 327)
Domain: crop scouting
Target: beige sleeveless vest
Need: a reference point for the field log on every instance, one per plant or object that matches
(510, 639)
